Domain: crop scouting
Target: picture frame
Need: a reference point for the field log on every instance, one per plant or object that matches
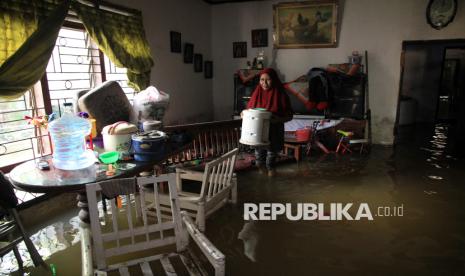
(188, 53)
(208, 69)
(240, 49)
(311, 24)
(175, 42)
(259, 38)
(198, 63)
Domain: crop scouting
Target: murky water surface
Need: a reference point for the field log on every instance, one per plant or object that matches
(424, 177)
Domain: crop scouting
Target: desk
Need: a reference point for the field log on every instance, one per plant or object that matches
(300, 122)
(29, 178)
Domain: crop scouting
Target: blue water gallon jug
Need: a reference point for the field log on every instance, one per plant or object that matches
(69, 141)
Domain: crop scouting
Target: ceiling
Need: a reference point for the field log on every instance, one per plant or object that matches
(213, 2)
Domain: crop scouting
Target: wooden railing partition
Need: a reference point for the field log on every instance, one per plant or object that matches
(209, 140)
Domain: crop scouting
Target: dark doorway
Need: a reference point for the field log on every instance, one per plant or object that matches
(431, 89)
(451, 88)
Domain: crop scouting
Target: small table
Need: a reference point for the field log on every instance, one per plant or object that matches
(294, 144)
(29, 178)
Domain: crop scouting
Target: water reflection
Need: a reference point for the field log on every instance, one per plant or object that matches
(49, 240)
(430, 232)
(437, 147)
(250, 237)
(429, 239)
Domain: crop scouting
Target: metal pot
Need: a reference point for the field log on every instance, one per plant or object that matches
(149, 146)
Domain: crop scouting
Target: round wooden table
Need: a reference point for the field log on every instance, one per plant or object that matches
(28, 177)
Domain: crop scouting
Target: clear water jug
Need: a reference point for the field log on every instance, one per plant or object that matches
(69, 141)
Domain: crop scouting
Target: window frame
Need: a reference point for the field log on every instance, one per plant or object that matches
(45, 90)
(71, 22)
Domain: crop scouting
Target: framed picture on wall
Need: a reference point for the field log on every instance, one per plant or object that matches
(175, 40)
(240, 49)
(260, 38)
(208, 68)
(305, 24)
(188, 53)
(198, 63)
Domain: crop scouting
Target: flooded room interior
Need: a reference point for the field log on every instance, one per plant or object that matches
(224, 137)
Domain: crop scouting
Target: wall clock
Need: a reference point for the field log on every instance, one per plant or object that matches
(440, 13)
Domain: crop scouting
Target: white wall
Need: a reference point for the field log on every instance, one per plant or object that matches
(377, 26)
(190, 93)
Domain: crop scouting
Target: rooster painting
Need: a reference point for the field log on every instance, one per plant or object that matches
(305, 24)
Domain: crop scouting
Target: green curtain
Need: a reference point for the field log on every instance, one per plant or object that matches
(122, 39)
(28, 31)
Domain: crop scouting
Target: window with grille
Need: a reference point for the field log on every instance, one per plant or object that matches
(76, 64)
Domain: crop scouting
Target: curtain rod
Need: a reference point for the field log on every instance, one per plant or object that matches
(104, 5)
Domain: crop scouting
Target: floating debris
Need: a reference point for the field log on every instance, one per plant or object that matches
(430, 192)
(435, 177)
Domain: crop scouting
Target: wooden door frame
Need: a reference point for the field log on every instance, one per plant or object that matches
(447, 43)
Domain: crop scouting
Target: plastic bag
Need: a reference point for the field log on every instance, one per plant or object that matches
(150, 104)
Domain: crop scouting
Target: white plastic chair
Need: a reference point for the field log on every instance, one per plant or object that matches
(122, 232)
(218, 186)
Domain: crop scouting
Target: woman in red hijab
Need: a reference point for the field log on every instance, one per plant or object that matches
(270, 94)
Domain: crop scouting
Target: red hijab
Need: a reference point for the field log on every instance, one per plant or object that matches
(275, 99)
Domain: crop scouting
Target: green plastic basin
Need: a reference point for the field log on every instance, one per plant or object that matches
(109, 157)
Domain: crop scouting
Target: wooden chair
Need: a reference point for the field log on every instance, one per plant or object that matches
(218, 186)
(12, 230)
(149, 238)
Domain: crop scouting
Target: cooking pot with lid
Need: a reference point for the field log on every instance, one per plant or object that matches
(149, 146)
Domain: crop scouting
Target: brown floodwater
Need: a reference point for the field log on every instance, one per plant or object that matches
(422, 175)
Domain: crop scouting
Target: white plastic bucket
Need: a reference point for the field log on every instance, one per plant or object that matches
(117, 142)
(255, 127)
